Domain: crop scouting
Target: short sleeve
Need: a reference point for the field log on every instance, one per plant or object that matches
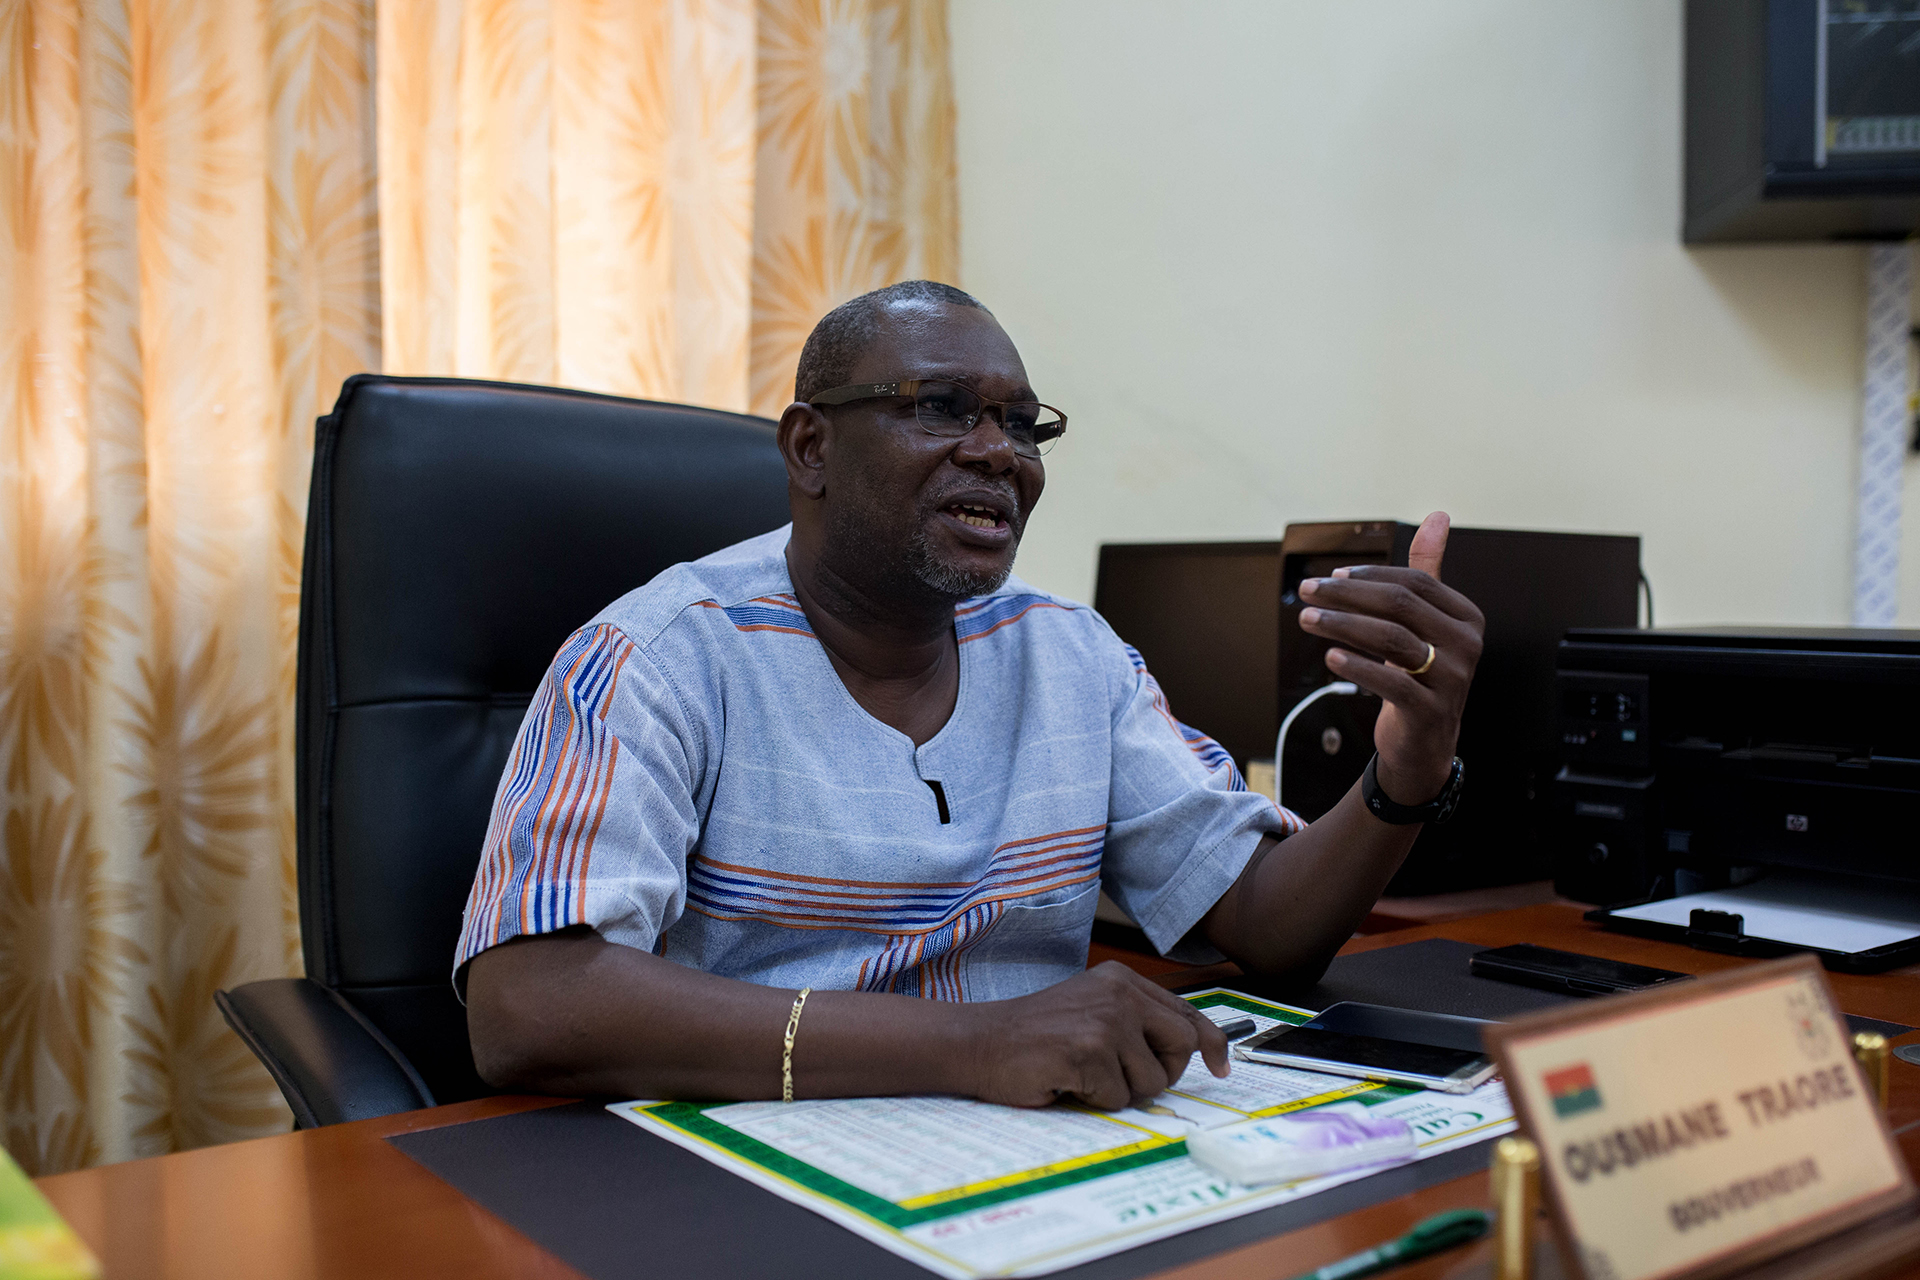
(597, 808)
(1181, 823)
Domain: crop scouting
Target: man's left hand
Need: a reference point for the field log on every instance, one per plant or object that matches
(1386, 618)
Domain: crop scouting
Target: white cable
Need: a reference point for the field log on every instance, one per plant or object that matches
(1340, 687)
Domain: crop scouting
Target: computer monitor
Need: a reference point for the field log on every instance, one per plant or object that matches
(1206, 618)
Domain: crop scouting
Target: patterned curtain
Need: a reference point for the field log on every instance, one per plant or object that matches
(202, 232)
(654, 197)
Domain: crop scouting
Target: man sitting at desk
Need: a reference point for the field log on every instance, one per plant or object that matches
(854, 755)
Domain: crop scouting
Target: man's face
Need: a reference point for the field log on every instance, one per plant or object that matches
(919, 513)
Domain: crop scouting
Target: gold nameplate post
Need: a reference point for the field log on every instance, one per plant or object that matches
(1695, 1130)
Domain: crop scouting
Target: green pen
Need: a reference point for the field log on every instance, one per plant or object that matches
(1441, 1231)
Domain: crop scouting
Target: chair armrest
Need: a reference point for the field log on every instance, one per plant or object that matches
(331, 1064)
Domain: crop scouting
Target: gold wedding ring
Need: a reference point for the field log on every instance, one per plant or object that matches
(1424, 667)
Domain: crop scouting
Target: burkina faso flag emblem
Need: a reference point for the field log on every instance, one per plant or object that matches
(1573, 1090)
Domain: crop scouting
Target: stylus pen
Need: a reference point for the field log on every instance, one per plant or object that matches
(1238, 1029)
(1440, 1232)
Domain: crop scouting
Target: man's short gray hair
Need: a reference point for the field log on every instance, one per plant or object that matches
(835, 344)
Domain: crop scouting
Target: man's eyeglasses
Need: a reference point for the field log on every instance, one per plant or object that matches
(951, 410)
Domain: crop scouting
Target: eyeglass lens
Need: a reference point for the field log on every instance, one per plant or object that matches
(949, 409)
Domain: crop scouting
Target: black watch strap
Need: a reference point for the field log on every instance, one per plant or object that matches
(1438, 809)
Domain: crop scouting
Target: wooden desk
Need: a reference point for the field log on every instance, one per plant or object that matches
(341, 1202)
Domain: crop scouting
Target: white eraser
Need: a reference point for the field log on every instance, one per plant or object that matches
(1303, 1144)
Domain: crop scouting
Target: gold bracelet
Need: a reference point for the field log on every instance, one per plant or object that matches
(786, 1050)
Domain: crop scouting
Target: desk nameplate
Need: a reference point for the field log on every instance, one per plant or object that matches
(1694, 1130)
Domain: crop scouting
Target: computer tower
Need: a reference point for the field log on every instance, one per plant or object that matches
(1531, 586)
(1315, 551)
(1326, 743)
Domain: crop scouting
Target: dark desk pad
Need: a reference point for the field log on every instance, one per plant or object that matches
(616, 1202)
(1432, 974)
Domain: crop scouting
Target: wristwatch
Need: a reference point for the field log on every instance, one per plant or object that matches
(1438, 809)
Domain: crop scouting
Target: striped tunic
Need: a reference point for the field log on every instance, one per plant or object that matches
(693, 778)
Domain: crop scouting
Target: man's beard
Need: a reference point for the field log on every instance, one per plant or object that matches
(854, 539)
(949, 580)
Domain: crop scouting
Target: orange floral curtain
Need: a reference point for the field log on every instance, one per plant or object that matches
(654, 197)
(210, 214)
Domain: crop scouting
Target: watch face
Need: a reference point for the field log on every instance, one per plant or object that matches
(1449, 798)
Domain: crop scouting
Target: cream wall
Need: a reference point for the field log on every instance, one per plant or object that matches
(1284, 260)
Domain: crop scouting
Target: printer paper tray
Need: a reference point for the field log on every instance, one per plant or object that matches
(1853, 925)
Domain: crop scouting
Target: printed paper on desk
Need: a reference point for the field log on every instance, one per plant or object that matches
(1697, 1129)
(969, 1189)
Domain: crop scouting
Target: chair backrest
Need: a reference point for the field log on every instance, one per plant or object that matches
(456, 533)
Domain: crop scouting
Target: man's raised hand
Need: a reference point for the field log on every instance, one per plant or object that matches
(1107, 1037)
(1382, 620)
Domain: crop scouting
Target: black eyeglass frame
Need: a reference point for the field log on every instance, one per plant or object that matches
(910, 387)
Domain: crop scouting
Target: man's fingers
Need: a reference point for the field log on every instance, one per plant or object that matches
(1430, 543)
(1374, 588)
(1191, 1033)
(1171, 1037)
(1148, 1074)
(1389, 640)
(1104, 1085)
(1174, 1064)
(1177, 1030)
(1213, 1048)
(1213, 1041)
(1390, 684)
(1126, 1040)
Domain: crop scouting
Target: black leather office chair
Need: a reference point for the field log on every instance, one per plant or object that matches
(456, 533)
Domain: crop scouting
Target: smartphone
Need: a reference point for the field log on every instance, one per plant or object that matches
(1341, 1053)
(1566, 971)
